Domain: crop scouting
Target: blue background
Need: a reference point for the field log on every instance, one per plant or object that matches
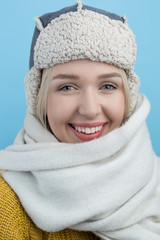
(17, 25)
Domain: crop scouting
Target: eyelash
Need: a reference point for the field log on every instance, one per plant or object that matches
(111, 87)
(105, 87)
(64, 88)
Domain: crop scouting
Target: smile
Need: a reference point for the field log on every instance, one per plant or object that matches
(89, 131)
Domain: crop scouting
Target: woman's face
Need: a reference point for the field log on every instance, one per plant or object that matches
(85, 100)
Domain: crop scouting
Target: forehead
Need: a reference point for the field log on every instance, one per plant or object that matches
(84, 66)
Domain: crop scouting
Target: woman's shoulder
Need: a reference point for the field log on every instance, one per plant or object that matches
(16, 225)
(8, 197)
(14, 222)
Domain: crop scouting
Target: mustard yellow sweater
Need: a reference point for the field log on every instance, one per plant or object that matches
(16, 225)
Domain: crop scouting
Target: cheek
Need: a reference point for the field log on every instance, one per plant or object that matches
(120, 104)
(117, 108)
(59, 110)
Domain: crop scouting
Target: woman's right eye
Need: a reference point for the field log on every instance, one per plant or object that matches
(66, 88)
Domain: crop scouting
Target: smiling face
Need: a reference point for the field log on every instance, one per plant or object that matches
(85, 100)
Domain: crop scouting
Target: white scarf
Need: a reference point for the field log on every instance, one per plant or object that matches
(109, 186)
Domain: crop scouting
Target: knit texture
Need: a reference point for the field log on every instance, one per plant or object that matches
(16, 225)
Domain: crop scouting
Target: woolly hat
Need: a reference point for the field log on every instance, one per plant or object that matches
(81, 32)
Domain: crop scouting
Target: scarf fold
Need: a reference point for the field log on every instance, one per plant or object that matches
(109, 186)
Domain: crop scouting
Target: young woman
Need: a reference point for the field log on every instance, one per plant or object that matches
(83, 166)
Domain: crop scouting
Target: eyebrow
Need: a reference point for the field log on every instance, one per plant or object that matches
(65, 76)
(76, 77)
(109, 75)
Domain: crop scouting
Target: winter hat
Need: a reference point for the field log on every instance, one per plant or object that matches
(81, 32)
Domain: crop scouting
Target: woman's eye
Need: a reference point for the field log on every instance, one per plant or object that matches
(66, 88)
(108, 87)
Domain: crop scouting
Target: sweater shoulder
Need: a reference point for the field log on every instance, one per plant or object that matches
(70, 234)
(16, 225)
(14, 222)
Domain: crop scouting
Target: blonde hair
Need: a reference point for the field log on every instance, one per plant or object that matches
(41, 106)
(127, 96)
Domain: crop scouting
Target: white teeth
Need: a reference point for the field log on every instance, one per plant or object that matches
(100, 128)
(82, 130)
(79, 129)
(88, 130)
(93, 130)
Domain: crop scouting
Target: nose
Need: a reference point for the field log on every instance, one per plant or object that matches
(89, 105)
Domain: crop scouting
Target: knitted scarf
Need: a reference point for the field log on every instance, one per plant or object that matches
(109, 186)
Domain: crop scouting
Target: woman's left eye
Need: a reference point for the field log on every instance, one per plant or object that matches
(108, 86)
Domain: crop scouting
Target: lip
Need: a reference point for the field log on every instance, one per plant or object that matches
(84, 136)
